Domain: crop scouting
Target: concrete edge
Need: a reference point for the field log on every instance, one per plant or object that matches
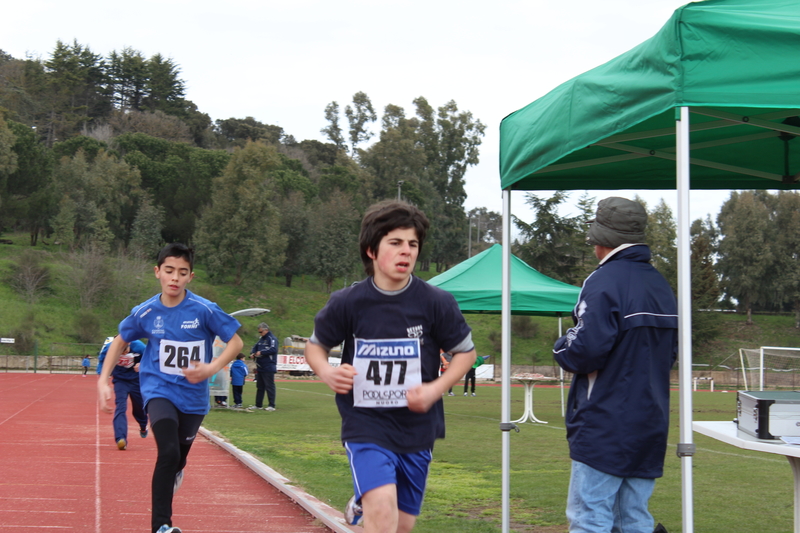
(318, 509)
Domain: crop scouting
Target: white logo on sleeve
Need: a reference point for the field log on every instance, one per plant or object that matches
(174, 356)
(387, 369)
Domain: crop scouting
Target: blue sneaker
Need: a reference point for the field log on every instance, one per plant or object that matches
(168, 529)
(353, 513)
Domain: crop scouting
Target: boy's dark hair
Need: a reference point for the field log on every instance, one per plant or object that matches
(177, 249)
(386, 216)
(240, 356)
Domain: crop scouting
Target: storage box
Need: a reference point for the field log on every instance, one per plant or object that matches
(769, 414)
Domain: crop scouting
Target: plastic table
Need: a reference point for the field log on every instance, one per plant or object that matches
(728, 432)
(529, 382)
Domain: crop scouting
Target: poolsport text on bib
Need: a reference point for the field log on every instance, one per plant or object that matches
(387, 369)
(174, 356)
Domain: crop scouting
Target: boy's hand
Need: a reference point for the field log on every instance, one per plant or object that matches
(421, 399)
(198, 372)
(340, 378)
(104, 396)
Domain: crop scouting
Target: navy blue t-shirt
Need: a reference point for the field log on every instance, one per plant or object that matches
(392, 339)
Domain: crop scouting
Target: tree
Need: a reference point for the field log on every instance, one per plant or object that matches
(239, 232)
(359, 115)
(333, 240)
(146, 238)
(660, 235)
(787, 251)
(745, 250)
(705, 284)
(333, 131)
(550, 245)
(295, 222)
(397, 156)
(165, 89)
(129, 78)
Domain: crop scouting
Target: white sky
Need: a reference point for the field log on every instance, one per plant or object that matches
(283, 62)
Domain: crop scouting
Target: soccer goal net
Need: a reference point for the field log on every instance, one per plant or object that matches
(770, 367)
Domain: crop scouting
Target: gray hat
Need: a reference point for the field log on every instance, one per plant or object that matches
(263, 325)
(618, 221)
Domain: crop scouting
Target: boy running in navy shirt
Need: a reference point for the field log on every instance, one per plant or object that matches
(389, 392)
(180, 327)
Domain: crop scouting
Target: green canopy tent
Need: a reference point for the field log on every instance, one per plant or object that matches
(476, 285)
(710, 102)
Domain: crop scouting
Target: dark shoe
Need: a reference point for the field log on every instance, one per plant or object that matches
(660, 529)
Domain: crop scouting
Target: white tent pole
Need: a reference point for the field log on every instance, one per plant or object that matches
(505, 318)
(561, 372)
(686, 445)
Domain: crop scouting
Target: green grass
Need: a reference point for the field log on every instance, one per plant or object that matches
(734, 490)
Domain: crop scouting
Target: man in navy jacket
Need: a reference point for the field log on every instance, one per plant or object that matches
(265, 352)
(620, 351)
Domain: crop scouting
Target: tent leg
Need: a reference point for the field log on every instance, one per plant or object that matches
(505, 318)
(685, 444)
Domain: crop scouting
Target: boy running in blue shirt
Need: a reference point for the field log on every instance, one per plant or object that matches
(180, 327)
(389, 392)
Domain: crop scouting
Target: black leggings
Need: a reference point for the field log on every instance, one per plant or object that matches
(470, 376)
(174, 432)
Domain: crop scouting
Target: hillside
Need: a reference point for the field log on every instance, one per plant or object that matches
(57, 316)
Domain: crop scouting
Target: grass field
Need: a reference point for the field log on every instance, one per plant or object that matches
(734, 490)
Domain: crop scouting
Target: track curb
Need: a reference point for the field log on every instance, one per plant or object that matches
(318, 509)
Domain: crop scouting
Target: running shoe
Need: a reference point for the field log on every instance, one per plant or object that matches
(473, 394)
(122, 444)
(353, 513)
(168, 529)
(270, 408)
(143, 433)
(177, 485)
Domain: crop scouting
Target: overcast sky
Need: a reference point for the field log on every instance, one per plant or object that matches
(283, 62)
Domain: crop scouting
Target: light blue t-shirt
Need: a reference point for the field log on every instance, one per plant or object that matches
(177, 337)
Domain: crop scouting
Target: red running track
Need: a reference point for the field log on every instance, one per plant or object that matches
(61, 471)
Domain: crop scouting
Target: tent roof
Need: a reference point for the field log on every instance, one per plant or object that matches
(476, 285)
(735, 63)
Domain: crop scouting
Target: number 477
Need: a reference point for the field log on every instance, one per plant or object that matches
(374, 372)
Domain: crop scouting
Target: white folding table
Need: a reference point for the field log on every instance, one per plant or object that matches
(729, 433)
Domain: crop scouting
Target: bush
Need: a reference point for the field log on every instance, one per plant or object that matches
(523, 327)
(25, 335)
(29, 277)
(87, 327)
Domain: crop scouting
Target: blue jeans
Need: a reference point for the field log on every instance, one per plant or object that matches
(602, 503)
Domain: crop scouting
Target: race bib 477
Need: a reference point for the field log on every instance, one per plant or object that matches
(387, 369)
(174, 356)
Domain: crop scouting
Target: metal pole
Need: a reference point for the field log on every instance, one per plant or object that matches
(505, 408)
(686, 446)
(469, 238)
(399, 187)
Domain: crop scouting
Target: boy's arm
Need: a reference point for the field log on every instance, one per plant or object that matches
(421, 399)
(115, 349)
(202, 371)
(339, 378)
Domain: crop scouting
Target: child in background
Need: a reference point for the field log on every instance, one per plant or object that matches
(86, 363)
(239, 371)
(471, 373)
(125, 377)
(180, 327)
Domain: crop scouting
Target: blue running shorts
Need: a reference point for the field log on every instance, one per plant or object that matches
(373, 466)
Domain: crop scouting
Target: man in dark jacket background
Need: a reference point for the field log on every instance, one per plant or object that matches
(265, 352)
(620, 351)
